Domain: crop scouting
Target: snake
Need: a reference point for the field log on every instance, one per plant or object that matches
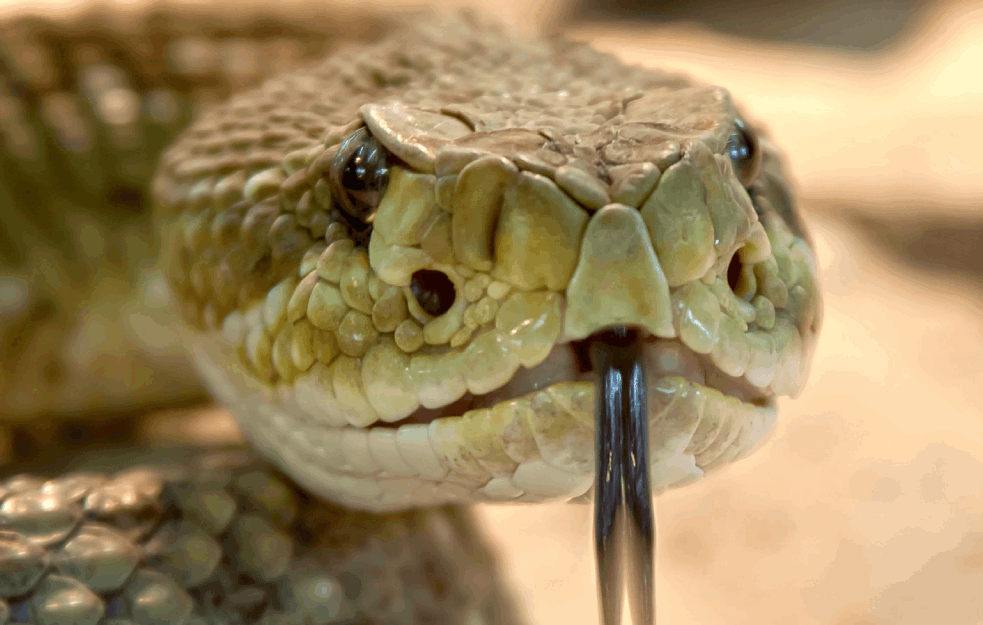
(402, 255)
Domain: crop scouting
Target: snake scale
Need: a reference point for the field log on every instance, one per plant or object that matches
(389, 258)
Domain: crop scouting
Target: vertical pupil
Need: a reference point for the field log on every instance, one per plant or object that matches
(363, 178)
(356, 172)
(358, 177)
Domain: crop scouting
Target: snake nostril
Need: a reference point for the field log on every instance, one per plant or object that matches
(734, 270)
(433, 290)
(128, 198)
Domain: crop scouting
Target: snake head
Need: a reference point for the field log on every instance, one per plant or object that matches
(391, 265)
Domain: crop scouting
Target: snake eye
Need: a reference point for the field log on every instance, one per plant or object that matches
(433, 290)
(744, 153)
(359, 175)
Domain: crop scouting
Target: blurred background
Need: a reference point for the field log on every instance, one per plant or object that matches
(866, 505)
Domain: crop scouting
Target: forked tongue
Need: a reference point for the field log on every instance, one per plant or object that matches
(624, 526)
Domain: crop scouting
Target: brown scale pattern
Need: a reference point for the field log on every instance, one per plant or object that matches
(218, 537)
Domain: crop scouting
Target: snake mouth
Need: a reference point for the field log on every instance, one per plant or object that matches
(570, 362)
(448, 425)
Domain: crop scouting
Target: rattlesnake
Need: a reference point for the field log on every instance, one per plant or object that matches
(388, 264)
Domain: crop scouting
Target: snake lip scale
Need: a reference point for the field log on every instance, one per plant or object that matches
(567, 362)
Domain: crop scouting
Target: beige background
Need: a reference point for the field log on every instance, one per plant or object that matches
(866, 506)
